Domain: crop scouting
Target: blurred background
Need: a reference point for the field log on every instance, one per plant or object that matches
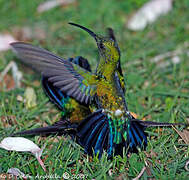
(153, 37)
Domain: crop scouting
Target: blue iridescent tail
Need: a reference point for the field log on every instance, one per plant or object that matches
(96, 135)
(93, 134)
(136, 137)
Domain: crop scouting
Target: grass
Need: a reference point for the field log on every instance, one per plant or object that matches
(158, 94)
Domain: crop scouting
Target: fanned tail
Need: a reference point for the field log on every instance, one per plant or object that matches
(96, 134)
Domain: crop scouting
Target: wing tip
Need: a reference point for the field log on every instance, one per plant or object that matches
(15, 45)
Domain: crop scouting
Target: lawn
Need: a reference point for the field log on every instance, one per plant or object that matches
(154, 91)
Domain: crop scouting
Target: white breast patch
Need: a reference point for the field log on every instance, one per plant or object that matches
(118, 112)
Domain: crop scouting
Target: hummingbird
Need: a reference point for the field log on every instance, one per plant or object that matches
(108, 125)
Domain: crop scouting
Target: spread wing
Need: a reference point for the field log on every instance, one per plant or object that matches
(72, 80)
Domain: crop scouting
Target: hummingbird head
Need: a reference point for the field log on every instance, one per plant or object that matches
(107, 46)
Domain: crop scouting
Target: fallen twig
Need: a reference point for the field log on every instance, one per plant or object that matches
(17, 75)
(140, 174)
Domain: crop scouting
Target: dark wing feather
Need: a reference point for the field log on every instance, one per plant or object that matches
(69, 77)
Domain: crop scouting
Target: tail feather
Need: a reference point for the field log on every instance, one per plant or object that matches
(99, 140)
(157, 124)
(93, 133)
(111, 145)
(140, 132)
(137, 138)
(91, 136)
(61, 127)
(87, 123)
(104, 139)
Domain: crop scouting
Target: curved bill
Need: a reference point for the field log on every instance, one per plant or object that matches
(85, 29)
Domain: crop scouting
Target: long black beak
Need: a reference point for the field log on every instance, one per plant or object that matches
(85, 29)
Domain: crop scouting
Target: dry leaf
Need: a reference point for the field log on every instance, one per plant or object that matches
(52, 4)
(121, 177)
(6, 176)
(36, 83)
(149, 173)
(19, 98)
(110, 172)
(135, 116)
(149, 13)
(5, 40)
(183, 134)
(7, 82)
(8, 121)
(21, 144)
(187, 120)
(30, 97)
